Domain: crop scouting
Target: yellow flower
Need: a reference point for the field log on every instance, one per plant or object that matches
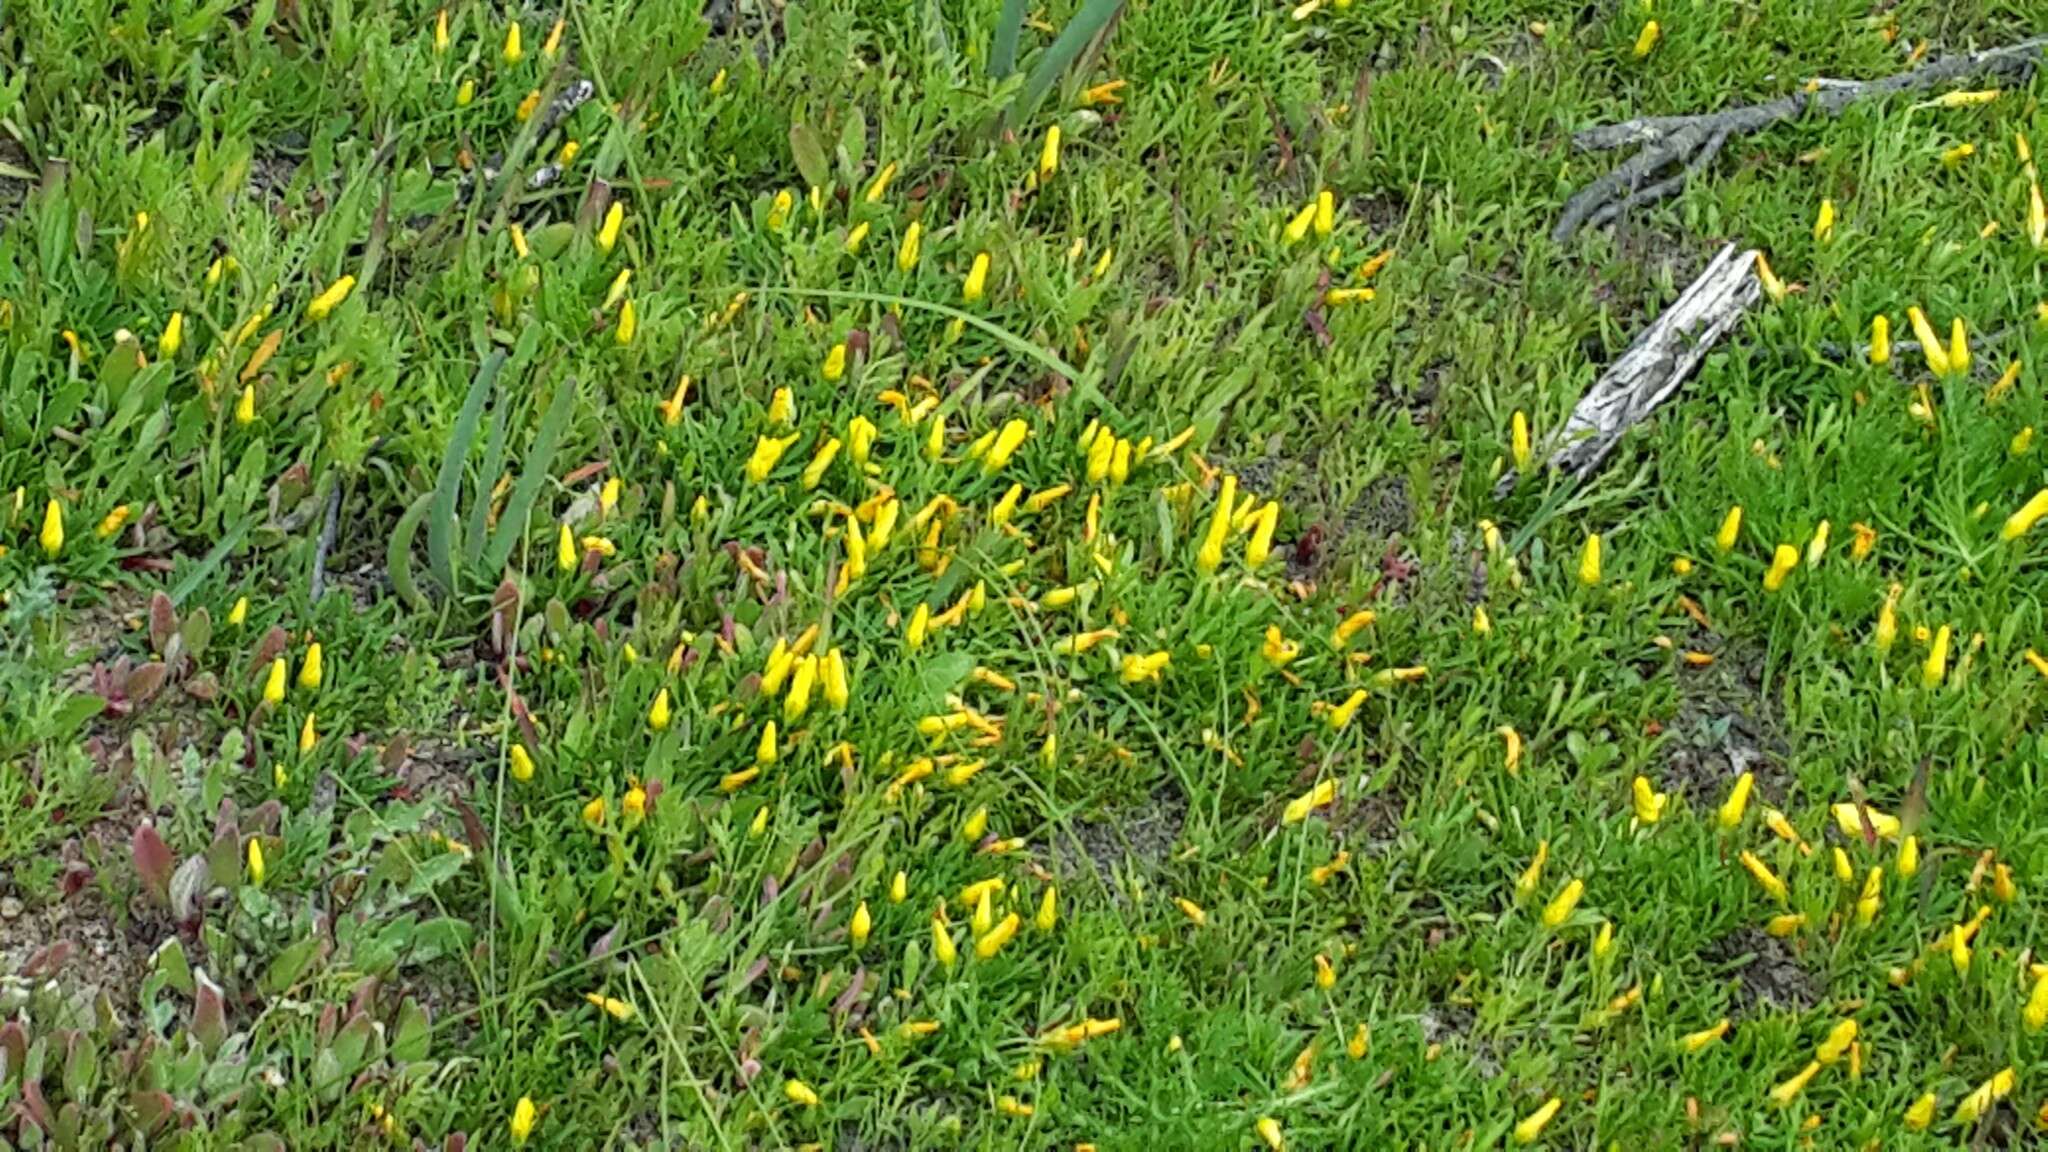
(857, 236)
(112, 522)
(860, 439)
(975, 826)
(862, 924)
(514, 53)
(238, 613)
(1049, 154)
(1954, 157)
(1694, 1041)
(1921, 1113)
(1007, 441)
(991, 942)
(1211, 554)
(1260, 547)
(1935, 668)
(1326, 973)
(1824, 222)
(634, 806)
(919, 627)
(1359, 1043)
(1048, 909)
(942, 943)
(1817, 546)
(814, 472)
(835, 363)
(464, 93)
(273, 685)
(1887, 621)
(1649, 803)
(1137, 669)
(1958, 347)
(1881, 340)
(308, 735)
(52, 535)
(833, 673)
(309, 671)
(1532, 876)
(1765, 878)
(879, 187)
(1299, 808)
(1730, 813)
(1193, 911)
(1871, 898)
(767, 454)
(769, 748)
(1512, 751)
(798, 701)
(331, 299)
(977, 279)
(1959, 949)
(1783, 561)
(1784, 925)
(1589, 560)
(1837, 1043)
(522, 763)
(1518, 441)
(566, 555)
(1773, 287)
(523, 1117)
(1326, 212)
(611, 1006)
(1909, 857)
(256, 870)
(778, 209)
(2021, 522)
(1278, 650)
(173, 337)
(1850, 818)
(1930, 344)
(800, 1093)
(629, 324)
(1646, 40)
(1984, 1096)
(1731, 530)
(1783, 1094)
(608, 232)
(1531, 1127)
(1297, 228)
(1561, 905)
(906, 252)
(593, 812)
(245, 405)
(1341, 714)
(554, 40)
(1351, 626)
(658, 714)
(441, 33)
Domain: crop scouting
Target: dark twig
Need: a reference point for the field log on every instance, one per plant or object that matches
(1688, 143)
(326, 545)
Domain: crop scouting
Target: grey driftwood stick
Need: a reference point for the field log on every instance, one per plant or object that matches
(1685, 144)
(1654, 366)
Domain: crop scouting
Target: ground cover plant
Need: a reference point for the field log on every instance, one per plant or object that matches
(879, 574)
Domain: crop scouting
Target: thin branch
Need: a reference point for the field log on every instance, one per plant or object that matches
(326, 544)
(1688, 143)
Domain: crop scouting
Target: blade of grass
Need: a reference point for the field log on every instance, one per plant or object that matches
(1002, 55)
(539, 460)
(486, 483)
(1093, 17)
(442, 526)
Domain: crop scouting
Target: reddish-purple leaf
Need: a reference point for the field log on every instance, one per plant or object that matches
(153, 860)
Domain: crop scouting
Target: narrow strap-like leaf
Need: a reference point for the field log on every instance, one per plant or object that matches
(1093, 17)
(442, 526)
(1002, 55)
(539, 459)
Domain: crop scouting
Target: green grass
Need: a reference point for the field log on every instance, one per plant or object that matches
(1148, 285)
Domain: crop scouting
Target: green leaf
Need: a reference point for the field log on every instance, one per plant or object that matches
(398, 551)
(539, 460)
(1002, 55)
(289, 966)
(809, 152)
(1093, 17)
(442, 525)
